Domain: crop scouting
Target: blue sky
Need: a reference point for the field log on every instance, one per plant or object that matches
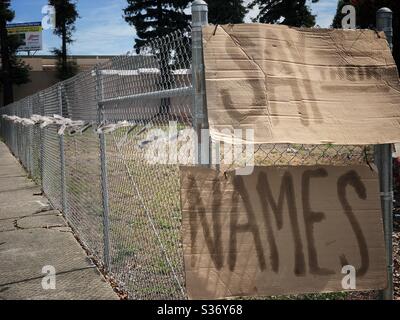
(101, 29)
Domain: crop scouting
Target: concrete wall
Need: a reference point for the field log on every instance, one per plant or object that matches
(40, 80)
(43, 74)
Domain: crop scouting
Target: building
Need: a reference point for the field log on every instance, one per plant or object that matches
(43, 73)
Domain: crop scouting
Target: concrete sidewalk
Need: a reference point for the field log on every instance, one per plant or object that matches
(33, 236)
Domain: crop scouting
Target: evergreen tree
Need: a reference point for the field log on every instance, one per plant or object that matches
(156, 18)
(19, 69)
(13, 69)
(337, 20)
(294, 13)
(66, 15)
(153, 19)
(226, 11)
(366, 18)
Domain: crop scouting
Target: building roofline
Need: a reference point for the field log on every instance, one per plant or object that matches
(49, 56)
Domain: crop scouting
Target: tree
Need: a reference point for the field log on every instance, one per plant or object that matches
(294, 13)
(226, 11)
(156, 18)
(13, 69)
(337, 20)
(366, 18)
(65, 68)
(6, 15)
(19, 69)
(66, 15)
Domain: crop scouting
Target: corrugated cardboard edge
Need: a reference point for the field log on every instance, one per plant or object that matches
(379, 138)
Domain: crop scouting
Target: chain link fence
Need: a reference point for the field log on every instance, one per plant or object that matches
(110, 175)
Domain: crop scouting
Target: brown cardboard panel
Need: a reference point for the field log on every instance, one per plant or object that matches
(309, 86)
(281, 230)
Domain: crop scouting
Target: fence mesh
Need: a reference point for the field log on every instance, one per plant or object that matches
(118, 188)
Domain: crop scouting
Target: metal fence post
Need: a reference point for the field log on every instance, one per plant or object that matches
(384, 18)
(62, 158)
(30, 139)
(103, 162)
(41, 103)
(200, 119)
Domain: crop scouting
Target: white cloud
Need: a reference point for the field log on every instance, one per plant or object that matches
(325, 11)
(99, 31)
(102, 30)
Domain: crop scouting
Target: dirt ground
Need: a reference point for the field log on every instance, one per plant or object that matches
(396, 258)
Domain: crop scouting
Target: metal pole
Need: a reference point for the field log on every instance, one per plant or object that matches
(41, 103)
(200, 120)
(30, 131)
(103, 162)
(62, 158)
(384, 18)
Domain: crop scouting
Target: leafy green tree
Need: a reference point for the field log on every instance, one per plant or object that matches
(66, 15)
(366, 18)
(226, 11)
(155, 18)
(13, 69)
(294, 13)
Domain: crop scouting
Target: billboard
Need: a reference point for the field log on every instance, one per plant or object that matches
(30, 34)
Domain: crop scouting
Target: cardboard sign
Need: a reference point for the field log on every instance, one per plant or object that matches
(281, 230)
(307, 86)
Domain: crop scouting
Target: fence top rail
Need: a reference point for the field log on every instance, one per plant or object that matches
(142, 68)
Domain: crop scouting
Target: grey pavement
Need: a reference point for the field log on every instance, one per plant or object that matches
(33, 236)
